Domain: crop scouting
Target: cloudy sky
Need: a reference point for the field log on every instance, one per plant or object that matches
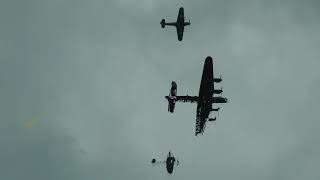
(82, 86)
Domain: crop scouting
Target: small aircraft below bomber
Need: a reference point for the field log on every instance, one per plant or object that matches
(170, 162)
(179, 24)
(205, 99)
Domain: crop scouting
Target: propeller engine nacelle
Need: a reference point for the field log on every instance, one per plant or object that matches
(172, 98)
(163, 23)
(219, 100)
(217, 80)
(217, 91)
(217, 109)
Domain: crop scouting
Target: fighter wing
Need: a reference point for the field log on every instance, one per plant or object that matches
(179, 33)
(180, 25)
(180, 14)
(187, 98)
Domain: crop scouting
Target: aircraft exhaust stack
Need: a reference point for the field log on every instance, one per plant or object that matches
(163, 23)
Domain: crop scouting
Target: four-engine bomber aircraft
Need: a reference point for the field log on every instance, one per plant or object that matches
(170, 162)
(205, 99)
(179, 24)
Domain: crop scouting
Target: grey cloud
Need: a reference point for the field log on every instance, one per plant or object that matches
(93, 76)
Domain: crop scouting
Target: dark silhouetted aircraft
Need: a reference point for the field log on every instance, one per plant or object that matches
(170, 162)
(179, 24)
(205, 99)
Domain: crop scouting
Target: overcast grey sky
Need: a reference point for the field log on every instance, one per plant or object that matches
(82, 86)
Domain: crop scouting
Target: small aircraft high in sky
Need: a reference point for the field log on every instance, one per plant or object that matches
(179, 24)
(170, 162)
(205, 99)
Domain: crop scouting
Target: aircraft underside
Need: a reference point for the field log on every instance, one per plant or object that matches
(204, 101)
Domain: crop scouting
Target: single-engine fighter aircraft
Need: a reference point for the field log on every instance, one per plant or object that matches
(170, 162)
(179, 24)
(205, 99)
